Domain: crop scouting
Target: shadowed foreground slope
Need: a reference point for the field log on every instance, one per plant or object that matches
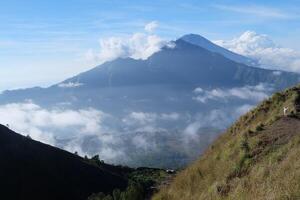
(257, 158)
(32, 170)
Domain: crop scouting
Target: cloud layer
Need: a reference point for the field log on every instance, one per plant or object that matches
(70, 85)
(218, 118)
(264, 50)
(127, 139)
(253, 93)
(88, 131)
(48, 125)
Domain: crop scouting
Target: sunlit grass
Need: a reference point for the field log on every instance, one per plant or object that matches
(246, 162)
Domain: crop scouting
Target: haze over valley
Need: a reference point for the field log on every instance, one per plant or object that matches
(162, 107)
(133, 94)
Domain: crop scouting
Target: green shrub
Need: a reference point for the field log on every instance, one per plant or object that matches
(259, 127)
(134, 191)
(245, 146)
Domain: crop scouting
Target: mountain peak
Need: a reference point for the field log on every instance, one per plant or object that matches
(207, 44)
(193, 37)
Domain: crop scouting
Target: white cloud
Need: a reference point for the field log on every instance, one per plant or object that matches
(264, 50)
(72, 126)
(191, 131)
(140, 118)
(143, 142)
(277, 73)
(72, 129)
(137, 46)
(171, 116)
(144, 118)
(150, 27)
(147, 122)
(255, 93)
(90, 131)
(70, 85)
(41, 124)
(216, 118)
(111, 154)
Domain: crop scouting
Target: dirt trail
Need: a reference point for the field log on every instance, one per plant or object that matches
(281, 131)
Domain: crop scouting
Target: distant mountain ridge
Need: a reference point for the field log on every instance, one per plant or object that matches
(185, 64)
(189, 63)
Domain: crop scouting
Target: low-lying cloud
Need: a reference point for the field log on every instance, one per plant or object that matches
(216, 118)
(87, 131)
(129, 139)
(143, 118)
(264, 50)
(43, 124)
(254, 93)
(70, 85)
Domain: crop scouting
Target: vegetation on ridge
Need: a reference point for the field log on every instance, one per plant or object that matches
(142, 183)
(256, 158)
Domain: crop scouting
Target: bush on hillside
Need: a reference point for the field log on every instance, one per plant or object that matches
(133, 192)
(259, 127)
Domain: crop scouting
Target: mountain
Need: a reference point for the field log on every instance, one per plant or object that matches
(256, 158)
(33, 170)
(152, 112)
(206, 44)
(186, 65)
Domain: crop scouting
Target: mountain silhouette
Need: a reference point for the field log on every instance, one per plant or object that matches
(33, 170)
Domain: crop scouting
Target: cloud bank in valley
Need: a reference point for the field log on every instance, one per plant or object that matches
(254, 93)
(70, 85)
(89, 131)
(217, 118)
(47, 125)
(264, 50)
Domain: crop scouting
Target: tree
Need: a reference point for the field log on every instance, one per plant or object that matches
(97, 160)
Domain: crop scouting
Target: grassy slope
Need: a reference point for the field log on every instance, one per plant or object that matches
(256, 158)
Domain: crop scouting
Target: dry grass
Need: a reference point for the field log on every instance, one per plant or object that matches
(257, 158)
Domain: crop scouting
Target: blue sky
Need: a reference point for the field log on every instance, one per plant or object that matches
(42, 42)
